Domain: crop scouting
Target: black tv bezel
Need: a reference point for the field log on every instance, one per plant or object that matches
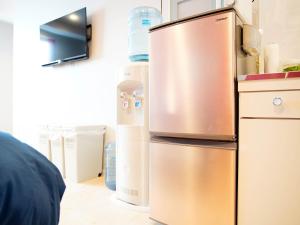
(76, 57)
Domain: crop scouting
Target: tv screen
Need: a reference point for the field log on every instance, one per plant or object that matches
(64, 39)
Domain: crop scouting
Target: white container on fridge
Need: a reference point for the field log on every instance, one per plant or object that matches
(83, 147)
(185, 8)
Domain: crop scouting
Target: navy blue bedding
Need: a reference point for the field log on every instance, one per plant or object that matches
(31, 187)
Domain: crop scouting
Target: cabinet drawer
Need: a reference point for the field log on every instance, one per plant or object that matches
(275, 104)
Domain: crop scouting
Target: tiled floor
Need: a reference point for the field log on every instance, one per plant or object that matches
(91, 203)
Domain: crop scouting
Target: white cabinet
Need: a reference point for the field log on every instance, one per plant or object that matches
(269, 154)
(269, 172)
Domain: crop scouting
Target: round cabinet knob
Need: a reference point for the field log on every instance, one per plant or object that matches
(277, 101)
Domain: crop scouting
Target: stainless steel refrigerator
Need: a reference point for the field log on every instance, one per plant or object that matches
(193, 119)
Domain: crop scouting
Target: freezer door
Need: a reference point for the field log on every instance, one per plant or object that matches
(192, 184)
(192, 74)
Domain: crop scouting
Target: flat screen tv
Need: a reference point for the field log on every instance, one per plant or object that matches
(64, 39)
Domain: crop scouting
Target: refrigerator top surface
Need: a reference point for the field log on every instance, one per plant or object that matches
(204, 14)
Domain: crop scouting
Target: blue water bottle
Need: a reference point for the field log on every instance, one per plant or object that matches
(139, 21)
(110, 166)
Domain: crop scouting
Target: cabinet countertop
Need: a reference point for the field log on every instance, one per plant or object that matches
(268, 76)
(269, 82)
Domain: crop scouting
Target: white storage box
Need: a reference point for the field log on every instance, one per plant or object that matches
(57, 148)
(83, 148)
(44, 141)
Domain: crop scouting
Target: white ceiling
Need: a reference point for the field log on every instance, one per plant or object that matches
(7, 10)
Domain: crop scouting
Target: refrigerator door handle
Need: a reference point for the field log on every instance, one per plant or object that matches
(195, 143)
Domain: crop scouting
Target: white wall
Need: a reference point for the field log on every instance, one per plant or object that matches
(6, 66)
(280, 21)
(7, 10)
(81, 92)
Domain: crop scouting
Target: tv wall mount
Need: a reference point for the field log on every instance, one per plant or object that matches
(89, 32)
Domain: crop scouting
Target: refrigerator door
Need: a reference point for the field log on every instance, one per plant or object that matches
(192, 184)
(192, 74)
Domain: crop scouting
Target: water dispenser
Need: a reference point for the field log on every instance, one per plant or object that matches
(132, 153)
